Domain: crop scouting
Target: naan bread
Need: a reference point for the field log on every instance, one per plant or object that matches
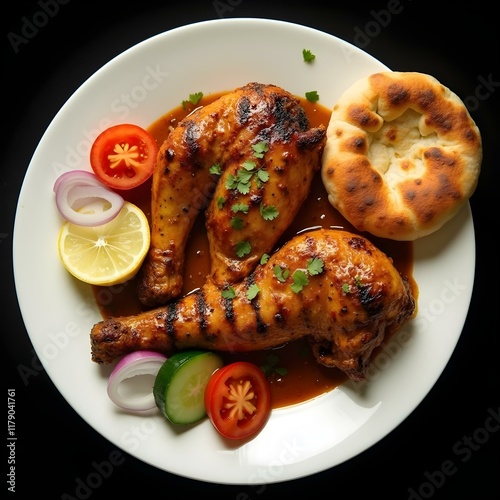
(402, 156)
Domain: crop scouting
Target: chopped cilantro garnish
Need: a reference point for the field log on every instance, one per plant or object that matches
(271, 366)
(346, 288)
(240, 207)
(315, 266)
(308, 55)
(259, 149)
(312, 96)
(252, 291)
(249, 165)
(220, 202)
(264, 258)
(236, 223)
(262, 175)
(281, 274)
(299, 280)
(268, 213)
(229, 293)
(243, 248)
(193, 99)
(215, 169)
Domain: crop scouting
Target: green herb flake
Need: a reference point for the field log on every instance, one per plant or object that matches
(220, 202)
(243, 248)
(240, 207)
(259, 149)
(193, 99)
(229, 293)
(264, 258)
(236, 223)
(215, 169)
(346, 288)
(312, 96)
(300, 280)
(308, 56)
(252, 292)
(315, 266)
(268, 213)
(281, 274)
(249, 165)
(271, 366)
(263, 175)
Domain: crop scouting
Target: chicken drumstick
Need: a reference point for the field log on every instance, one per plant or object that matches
(331, 286)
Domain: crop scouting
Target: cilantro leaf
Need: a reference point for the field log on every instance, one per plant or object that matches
(312, 96)
(264, 258)
(252, 291)
(260, 148)
(229, 293)
(299, 280)
(193, 99)
(271, 366)
(263, 175)
(236, 223)
(346, 288)
(215, 169)
(231, 182)
(315, 266)
(243, 248)
(249, 165)
(281, 274)
(308, 55)
(268, 213)
(220, 202)
(240, 207)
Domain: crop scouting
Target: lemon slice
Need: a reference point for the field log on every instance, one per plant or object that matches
(108, 254)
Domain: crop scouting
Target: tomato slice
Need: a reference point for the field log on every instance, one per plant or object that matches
(123, 156)
(238, 400)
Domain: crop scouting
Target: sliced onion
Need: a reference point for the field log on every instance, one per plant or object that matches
(133, 365)
(82, 199)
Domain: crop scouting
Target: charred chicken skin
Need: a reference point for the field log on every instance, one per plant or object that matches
(251, 154)
(351, 297)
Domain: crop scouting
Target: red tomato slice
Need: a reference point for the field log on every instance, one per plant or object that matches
(123, 156)
(238, 400)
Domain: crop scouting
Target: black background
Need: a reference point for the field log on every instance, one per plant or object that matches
(456, 42)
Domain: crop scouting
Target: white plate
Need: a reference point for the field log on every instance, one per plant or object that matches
(139, 86)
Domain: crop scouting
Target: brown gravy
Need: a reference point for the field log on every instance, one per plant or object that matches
(304, 378)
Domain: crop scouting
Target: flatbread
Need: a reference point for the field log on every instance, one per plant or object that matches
(402, 156)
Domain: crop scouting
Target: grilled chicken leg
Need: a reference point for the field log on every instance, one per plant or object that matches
(253, 147)
(350, 297)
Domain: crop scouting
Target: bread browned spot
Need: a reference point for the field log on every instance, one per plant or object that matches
(403, 155)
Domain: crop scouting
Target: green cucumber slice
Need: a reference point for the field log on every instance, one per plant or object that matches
(180, 384)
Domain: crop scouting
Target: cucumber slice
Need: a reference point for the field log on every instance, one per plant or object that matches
(180, 384)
